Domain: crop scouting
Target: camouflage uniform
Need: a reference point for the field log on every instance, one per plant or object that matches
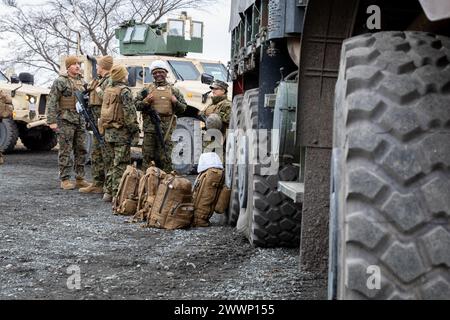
(151, 148)
(118, 141)
(222, 107)
(71, 126)
(100, 155)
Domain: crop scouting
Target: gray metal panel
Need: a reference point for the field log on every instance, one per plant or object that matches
(277, 16)
(315, 214)
(327, 24)
(292, 190)
(238, 6)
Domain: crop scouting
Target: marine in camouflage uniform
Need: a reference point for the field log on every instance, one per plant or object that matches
(152, 150)
(100, 155)
(217, 115)
(120, 131)
(6, 109)
(69, 125)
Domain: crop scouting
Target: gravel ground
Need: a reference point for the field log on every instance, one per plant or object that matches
(47, 234)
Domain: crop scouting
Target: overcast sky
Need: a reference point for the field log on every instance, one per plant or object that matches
(216, 44)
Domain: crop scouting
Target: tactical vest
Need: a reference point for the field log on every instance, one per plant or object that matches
(94, 99)
(112, 109)
(162, 99)
(69, 103)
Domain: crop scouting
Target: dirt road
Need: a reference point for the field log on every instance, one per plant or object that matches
(54, 242)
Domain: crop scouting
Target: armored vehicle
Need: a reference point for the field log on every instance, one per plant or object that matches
(28, 122)
(341, 142)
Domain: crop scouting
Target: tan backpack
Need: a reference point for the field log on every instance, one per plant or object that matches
(6, 108)
(126, 200)
(207, 190)
(172, 208)
(148, 187)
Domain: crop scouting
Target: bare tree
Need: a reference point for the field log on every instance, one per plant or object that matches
(61, 27)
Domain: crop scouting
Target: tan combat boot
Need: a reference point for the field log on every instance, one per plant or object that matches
(67, 185)
(107, 197)
(92, 188)
(81, 183)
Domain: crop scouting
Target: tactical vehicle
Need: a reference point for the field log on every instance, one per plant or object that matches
(28, 121)
(140, 45)
(355, 98)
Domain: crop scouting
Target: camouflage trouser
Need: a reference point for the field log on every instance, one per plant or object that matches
(152, 149)
(99, 156)
(71, 139)
(120, 159)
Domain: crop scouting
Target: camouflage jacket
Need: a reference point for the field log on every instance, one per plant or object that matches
(102, 83)
(221, 106)
(62, 87)
(125, 134)
(178, 108)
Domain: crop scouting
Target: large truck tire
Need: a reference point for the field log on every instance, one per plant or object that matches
(391, 168)
(267, 217)
(39, 139)
(9, 133)
(232, 213)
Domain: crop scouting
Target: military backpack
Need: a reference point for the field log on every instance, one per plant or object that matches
(126, 200)
(207, 190)
(6, 108)
(173, 207)
(148, 188)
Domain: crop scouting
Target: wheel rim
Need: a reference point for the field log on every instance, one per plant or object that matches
(243, 171)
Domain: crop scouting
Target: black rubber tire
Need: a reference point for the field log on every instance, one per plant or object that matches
(232, 213)
(188, 124)
(392, 167)
(268, 218)
(39, 139)
(9, 133)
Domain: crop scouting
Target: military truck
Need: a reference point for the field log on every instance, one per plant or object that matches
(140, 44)
(341, 140)
(28, 122)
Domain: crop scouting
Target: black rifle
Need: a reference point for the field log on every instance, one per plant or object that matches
(82, 108)
(156, 120)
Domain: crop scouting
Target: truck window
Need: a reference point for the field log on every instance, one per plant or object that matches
(215, 69)
(185, 69)
(138, 76)
(139, 33)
